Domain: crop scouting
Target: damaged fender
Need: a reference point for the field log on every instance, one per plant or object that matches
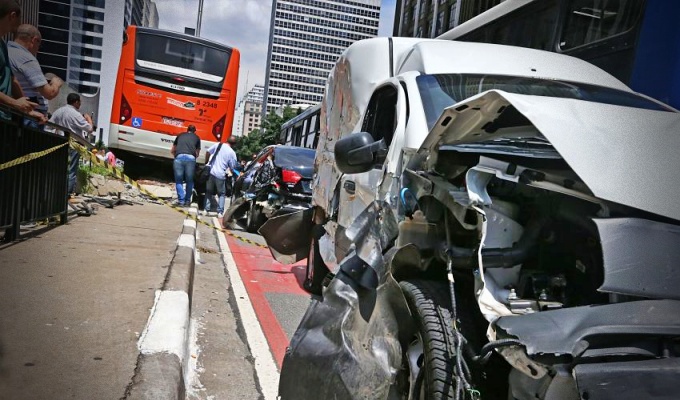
(349, 343)
(288, 235)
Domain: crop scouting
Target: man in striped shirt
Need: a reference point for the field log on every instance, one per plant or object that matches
(10, 91)
(26, 69)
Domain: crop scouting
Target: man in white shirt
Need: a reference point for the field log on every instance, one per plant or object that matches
(223, 165)
(70, 118)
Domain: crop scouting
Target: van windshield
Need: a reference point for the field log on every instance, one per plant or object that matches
(444, 90)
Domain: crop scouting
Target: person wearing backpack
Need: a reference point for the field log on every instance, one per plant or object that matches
(222, 159)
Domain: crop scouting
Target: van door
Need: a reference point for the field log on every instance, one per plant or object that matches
(385, 118)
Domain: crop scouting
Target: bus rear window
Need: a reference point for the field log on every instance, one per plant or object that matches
(181, 57)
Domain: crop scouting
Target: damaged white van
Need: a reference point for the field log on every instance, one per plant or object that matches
(489, 222)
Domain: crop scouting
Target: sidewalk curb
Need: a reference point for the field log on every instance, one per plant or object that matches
(162, 361)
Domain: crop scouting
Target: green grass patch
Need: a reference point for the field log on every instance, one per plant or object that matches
(84, 173)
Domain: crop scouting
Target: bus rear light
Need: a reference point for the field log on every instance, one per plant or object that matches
(218, 128)
(125, 110)
(290, 177)
(178, 79)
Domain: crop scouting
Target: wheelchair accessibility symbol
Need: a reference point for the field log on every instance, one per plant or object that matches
(136, 122)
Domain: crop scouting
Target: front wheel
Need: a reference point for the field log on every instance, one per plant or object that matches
(428, 364)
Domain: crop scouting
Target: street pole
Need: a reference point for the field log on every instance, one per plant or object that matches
(200, 17)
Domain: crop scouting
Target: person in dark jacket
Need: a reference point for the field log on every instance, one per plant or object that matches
(185, 149)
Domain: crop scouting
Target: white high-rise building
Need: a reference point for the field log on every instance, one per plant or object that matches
(248, 115)
(150, 14)
(306, 37)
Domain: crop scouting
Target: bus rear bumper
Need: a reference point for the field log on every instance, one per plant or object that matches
(147, 143)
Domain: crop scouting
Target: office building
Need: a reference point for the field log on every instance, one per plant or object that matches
(248, 115)
(431, 18)
(150, 16)
(73, 40)
(141, 13)
(74, 35)
(82, 41)
(29, 11)
(306, 37)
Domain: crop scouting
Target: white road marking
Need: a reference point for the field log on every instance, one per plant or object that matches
(190, 223)
(265, 367)
(192, 376)
(166, 329)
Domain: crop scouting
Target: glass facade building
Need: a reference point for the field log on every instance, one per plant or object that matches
(306, 38)
(431, 18)
(73, 36)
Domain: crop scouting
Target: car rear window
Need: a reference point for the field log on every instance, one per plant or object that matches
(294, 157)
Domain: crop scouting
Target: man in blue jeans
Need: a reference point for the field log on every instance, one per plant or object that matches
(185, 149)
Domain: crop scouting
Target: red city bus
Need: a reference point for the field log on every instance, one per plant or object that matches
(167, 81)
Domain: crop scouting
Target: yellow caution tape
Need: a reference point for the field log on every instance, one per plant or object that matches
(118, 174)
(29, 157)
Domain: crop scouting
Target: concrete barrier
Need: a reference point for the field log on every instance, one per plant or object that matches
(162, 362)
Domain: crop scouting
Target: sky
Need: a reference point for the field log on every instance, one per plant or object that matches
(243, 24)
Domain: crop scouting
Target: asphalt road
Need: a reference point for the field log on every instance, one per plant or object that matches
(274, 296)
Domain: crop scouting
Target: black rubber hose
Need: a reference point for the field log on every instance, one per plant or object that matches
(488, 349)
(466, 258)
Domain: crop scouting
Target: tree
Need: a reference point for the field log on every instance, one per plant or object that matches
(269, 134)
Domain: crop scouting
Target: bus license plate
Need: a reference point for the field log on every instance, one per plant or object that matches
(173, 121)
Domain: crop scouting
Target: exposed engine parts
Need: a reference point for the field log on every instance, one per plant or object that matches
(531, 247)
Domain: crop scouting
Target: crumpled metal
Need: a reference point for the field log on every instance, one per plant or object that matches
(348, 344)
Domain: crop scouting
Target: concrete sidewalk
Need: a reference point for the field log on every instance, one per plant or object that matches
(74, 300)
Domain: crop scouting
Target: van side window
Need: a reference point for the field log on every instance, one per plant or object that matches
(381, 115)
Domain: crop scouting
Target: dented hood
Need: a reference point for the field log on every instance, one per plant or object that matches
(625, 155)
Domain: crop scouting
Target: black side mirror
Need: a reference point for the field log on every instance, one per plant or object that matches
(358, 152)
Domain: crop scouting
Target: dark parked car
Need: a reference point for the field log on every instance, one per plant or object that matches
(277, 181)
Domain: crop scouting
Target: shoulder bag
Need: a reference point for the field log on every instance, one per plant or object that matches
(204, 173)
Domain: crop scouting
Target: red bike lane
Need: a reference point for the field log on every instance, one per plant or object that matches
(275, 292)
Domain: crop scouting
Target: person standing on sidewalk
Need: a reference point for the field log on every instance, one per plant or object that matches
(70, 117)
(26, 69)
(185, 149)
(221, 170)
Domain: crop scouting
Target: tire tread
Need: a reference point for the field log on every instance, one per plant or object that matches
(430, 302)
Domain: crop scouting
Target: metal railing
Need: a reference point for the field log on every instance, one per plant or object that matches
(36, 188)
